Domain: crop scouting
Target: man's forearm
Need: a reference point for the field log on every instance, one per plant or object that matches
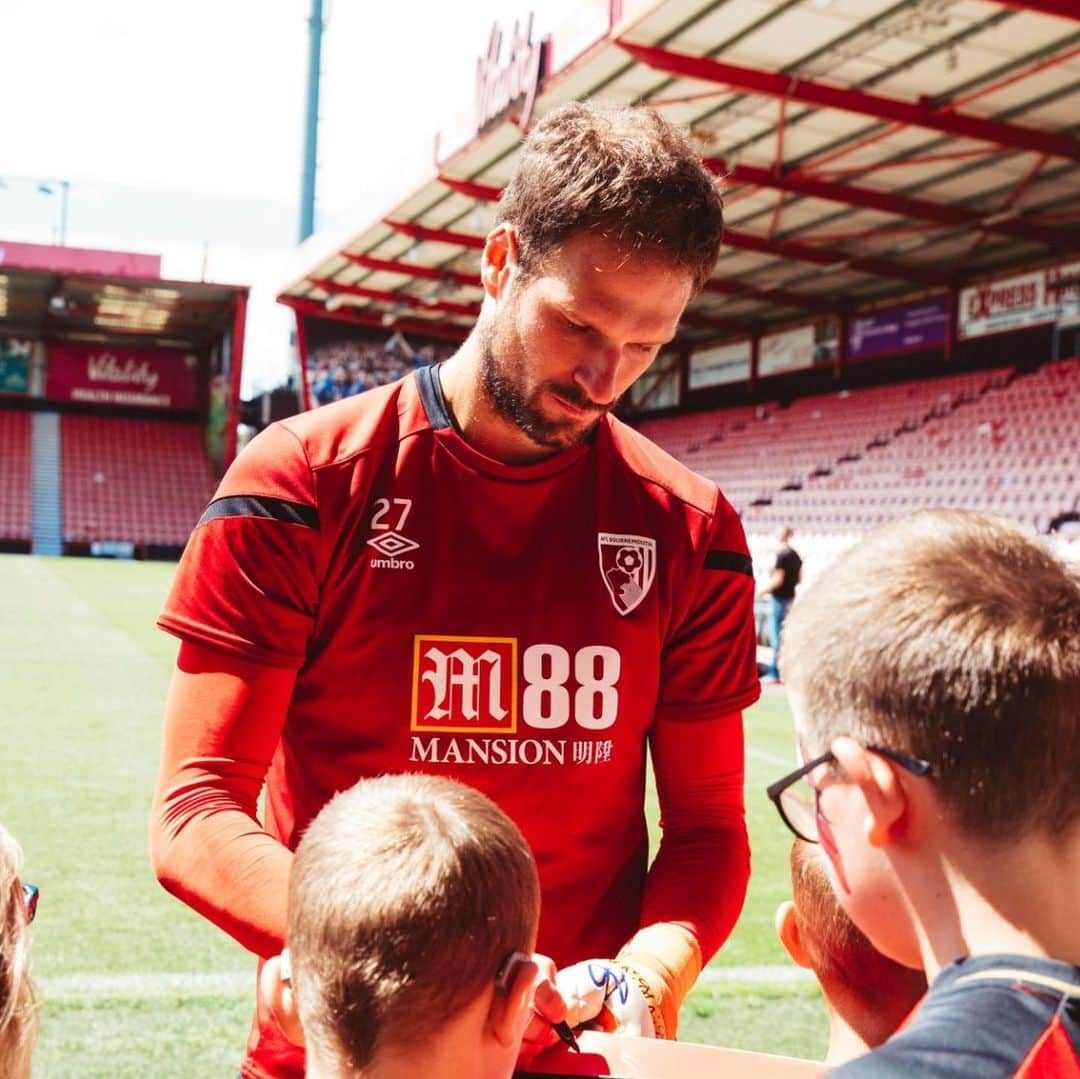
(211, 852)
(698, 880)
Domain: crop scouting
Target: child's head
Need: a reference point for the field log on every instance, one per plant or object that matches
(408, 894)
(952, 638)
(870, 993)
(18, 1016)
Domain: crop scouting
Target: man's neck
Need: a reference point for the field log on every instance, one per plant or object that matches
(1016, 899)
(477, 420)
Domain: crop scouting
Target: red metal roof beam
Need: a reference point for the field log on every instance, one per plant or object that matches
(409, 269)
(431, 328)
(483, 192)
(722, 325)
(1065, 9)
(468, 310)
(724, 287)
(867, 198)
(838, 260)
(744, 241)
(438, 236)
(846, 99)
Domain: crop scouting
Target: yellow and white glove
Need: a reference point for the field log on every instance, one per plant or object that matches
(641, 990)
(601, 993)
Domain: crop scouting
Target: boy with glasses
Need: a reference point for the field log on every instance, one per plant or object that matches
(934, 676)
(413, 905)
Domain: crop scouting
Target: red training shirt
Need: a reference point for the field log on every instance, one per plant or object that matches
(523, 629)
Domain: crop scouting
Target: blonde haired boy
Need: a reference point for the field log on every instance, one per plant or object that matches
(868, 995)
(413, 906)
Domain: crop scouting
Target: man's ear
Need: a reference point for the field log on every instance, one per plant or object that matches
(509, 1008)
(877, 779)
(499, 259)
(787, 929)
(276, 996)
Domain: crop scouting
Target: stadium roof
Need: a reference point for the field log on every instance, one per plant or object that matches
(900, 146)
(89, 294)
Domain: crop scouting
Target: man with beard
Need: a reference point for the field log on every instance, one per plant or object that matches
(478, 572)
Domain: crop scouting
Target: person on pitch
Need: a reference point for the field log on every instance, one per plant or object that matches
(413, 905)
(478, 572)
(934, 673)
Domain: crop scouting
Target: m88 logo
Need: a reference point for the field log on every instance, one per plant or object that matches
(470, 684)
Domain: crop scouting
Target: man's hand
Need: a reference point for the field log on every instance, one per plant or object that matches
(605, 994)
(547, 1008)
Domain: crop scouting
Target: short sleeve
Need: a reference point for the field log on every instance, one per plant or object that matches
(248, 580)
(709, 666)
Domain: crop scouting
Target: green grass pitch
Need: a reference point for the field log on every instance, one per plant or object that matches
(135, 984)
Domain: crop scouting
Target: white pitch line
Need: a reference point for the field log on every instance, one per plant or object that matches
(80, 986)
(763, 975)
(771, 758)
(147, 985)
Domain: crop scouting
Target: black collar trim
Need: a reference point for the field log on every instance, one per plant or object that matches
(431, 396)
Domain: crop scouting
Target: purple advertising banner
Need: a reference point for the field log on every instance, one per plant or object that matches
(899, 329)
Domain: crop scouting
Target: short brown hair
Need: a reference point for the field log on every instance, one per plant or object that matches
(625, 173)
(840, 954)
(407, 892)
(956, 638)
(18, 1002)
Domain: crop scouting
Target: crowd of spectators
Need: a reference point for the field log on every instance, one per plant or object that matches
(346, 368)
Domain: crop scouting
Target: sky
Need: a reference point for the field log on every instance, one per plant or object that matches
(179, 127)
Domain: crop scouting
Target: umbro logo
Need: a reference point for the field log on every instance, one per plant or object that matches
(393, 544)
(387, 521)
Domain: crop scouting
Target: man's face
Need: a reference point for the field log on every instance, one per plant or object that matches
(562, 346)
(862, 875)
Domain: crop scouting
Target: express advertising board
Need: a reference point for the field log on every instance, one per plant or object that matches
(812, 345)
(133, 377)
(906, 328)
(719, 366)
(1037, 298)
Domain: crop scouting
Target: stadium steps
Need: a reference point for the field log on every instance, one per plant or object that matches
(47, 534)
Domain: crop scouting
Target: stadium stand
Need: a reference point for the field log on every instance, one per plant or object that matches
(140, 481)
(348, 367)
(833, 465)
(15, 485)
(841, 463)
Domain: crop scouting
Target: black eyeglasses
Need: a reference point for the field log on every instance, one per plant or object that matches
(797, 802)
(31, 892)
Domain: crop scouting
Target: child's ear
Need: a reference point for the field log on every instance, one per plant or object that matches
(787, 929)
(276, 996)
(876, 777)
(509, 1009)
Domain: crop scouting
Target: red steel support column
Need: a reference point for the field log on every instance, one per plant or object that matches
(840, 365)
(236, 366)
(951, 326)
(301, 346)
(755, 351)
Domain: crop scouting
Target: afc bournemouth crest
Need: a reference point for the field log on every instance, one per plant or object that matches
(628, 565)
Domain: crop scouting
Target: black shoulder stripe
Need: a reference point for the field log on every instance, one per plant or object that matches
(730, 560)
(277, 509)
(431, 396)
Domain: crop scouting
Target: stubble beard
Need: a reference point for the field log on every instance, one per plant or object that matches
(501, 383)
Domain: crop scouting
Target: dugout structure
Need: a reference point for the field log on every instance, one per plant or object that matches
(900, 179)
(119, 393)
